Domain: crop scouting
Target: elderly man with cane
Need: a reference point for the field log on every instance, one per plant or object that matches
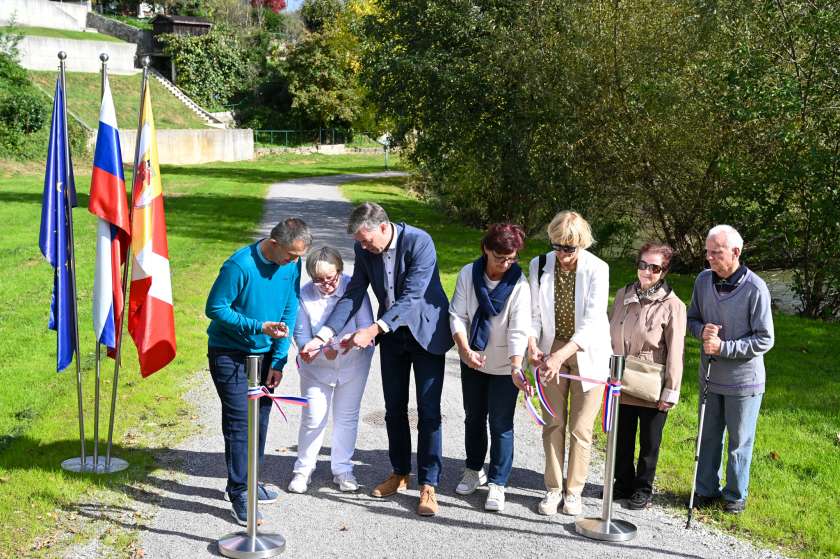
(730, 313)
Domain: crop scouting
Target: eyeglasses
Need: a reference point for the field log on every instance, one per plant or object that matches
(504, 259)
(654, 268)
(568, 249)
(327, 280)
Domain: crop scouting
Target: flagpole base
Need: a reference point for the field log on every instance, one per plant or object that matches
(239, 546)
(605, 530)
(75, 465)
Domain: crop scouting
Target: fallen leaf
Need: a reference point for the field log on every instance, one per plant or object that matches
(343, 528)
(774, 455)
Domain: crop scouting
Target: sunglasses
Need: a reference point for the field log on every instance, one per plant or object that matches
(568, 249)
(654, 268)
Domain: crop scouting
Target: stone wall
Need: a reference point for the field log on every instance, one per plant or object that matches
(187, 147)
(140, 37)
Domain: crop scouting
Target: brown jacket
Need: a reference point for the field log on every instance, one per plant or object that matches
(653, 330)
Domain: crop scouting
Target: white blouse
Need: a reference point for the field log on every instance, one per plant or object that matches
(315, 309)
(508, 330)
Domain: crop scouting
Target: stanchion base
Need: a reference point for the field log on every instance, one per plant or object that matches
(240, 546)
(612, 531)
(75, 465)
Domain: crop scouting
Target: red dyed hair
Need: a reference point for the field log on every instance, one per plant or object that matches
(503, 238)
(658, 248)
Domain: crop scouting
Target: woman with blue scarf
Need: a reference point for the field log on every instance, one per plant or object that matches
(490, 316)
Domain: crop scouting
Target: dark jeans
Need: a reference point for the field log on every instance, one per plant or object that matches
(398, 352)
(493, 395)
(650, 421)
(227, 368)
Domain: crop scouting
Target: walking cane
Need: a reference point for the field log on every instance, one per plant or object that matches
(697, 444)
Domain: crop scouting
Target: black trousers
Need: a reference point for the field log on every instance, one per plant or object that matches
(650, 422)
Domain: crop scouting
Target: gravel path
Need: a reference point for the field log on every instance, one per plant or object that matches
(192, 515)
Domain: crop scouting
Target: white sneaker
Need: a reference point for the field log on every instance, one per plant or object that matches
(572, 505)
(550, 502)
(495, 498)
(299, 483)
(471, 481)
(346, 482)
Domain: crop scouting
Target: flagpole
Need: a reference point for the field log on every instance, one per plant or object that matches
(104, 58)
(73, 464)
(116, 464)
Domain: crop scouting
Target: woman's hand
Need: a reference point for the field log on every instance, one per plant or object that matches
(664, 406)
(551, 367)
(519, 380)
(472, 359)
(535, 355)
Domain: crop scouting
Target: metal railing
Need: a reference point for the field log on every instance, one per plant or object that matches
(317, 136)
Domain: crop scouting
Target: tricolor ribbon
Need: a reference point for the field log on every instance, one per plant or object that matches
(613, 389)
(258, 392)
(530, 406)
(541, 394)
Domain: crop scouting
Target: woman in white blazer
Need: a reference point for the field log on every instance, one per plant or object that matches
(490, 317)
(571, 335)
(329, 379)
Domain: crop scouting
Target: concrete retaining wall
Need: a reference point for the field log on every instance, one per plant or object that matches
(40, 53)
(43, 13)
(186, 147)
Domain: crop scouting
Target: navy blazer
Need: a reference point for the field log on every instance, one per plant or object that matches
(421, 303)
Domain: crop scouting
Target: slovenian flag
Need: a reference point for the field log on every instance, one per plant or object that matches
(108, 201)
(151, 316)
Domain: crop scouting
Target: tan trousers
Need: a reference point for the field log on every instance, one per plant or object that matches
(578, 410)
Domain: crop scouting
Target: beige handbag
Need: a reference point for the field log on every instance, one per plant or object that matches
(642, 379)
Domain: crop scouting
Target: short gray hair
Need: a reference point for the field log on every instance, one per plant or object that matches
(733, 238)
(366, 216)
(324, 255)
(290, 230)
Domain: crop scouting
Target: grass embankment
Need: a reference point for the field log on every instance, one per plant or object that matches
(84, 93)
(795, 483)
(61, 33)
(210, 211)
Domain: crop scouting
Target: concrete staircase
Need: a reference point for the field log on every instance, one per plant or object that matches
(208, 118)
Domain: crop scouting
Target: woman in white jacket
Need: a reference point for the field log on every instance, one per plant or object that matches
(329, 379)
(490, 317)
(571, 335)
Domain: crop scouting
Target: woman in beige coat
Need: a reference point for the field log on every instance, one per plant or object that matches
(648, 321)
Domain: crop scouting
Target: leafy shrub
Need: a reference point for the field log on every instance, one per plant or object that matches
(23, 110)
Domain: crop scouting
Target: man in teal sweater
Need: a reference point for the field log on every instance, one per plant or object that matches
(730, 313)
(252, 307)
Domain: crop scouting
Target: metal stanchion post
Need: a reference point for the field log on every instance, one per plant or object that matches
(251, 544)
(606, 527)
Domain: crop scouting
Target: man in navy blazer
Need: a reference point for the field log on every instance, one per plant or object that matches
(400, 263)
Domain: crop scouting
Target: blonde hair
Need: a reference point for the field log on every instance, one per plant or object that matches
(321, 258)
(569, 228)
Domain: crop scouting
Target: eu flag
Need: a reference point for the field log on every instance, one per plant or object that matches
(59, 198)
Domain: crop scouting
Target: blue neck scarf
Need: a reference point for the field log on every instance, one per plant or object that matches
(490, 303)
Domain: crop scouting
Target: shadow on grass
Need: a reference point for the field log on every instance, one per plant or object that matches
(261, 173)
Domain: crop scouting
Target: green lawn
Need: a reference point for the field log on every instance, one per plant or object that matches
(795, 487)
(62, 33)
(210, 210)
(84, 93)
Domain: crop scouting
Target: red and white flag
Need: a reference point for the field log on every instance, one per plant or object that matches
(151, 317)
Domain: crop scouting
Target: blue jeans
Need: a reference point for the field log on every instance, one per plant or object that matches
(493, 395)
(738, 416)
(227, 367)
(398, 352)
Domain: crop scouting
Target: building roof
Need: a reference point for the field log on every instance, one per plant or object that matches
(184, 20)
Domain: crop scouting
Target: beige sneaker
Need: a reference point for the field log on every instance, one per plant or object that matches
(495, 498)
(550, 502)
(428, 501)
(572, 505)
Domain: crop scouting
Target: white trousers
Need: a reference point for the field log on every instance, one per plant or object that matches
(345, 399)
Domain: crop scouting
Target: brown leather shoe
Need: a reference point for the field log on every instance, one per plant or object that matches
(393, 484)
(428, 501)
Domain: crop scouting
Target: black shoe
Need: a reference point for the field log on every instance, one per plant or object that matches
(735, 507)
(703, 502)
(639, 500)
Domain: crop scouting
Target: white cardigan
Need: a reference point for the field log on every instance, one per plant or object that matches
(509, 329)
(592, 327)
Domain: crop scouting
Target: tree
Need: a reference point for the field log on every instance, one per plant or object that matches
(320, 14)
